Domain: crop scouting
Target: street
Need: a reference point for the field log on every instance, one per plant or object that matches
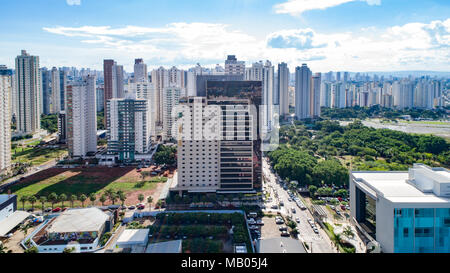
(319, 243)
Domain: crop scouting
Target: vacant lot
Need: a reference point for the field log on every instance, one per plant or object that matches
(86, 181)
(36, 156)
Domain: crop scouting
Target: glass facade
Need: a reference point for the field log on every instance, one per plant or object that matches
(422, 230)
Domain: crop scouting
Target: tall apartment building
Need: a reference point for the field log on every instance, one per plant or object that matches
(46, 77)
(128, 130)
(302, 92)
(62, 127)
(82, 117)
(160, 79)
(147, 91)
(5, 118)
(338, 95)
(62, 88)
(56, 91)
(171, 99)
(283, 88)
(140, 71)
(100, 90)
(28, 86)
(113, 82)
(316, 82)
(233, 66)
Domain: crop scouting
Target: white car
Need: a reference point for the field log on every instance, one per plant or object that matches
(297, 220)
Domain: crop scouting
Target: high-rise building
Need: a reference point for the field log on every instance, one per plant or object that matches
(62, 88)
(147, 91)
(56, 91)
(82, 117)
(338, 95)
(233, 66)
(325, 96)
(283, 88)
(5, 118)
(46, 77)
(302, 92)
(28, 81)
(128, 130)
(140, 71)
(315, 95)
(113, 82)
(171, 99)
(62, 127)
(100, 98)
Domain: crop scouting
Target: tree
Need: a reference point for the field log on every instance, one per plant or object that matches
(312, 190)
(122, 197)
(103, 199)
(72, 199)
(23, 199)
(53, 198)
(92, 198)
(32, 250)
(141, 198)
(62, 197)
(113, 197)
(82, 199)
(32, 199)
(43, 199)
(330, 172)
(150, 201)
(68, 250)
(348, 232)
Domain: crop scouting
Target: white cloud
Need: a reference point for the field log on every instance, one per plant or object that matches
(297, 7)
(73, 2)
(410, 46)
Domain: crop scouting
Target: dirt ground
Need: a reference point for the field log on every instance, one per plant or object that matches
(270, 228)
(13, 243)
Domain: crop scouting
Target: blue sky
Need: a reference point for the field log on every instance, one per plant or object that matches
(353, 35)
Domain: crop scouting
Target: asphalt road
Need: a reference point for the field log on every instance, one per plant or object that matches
(320, 242)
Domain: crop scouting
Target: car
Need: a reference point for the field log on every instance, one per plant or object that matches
(48, 210)
(293, 210)
(131, 207)
(297, 220)
(333, 207)
(281, 203)
(316, 231)
(141, 207)
(274, 207)
(285, 234)
(282, 228)
(260, 222)
(343, 207)
(56, 209)
(253, 227)
(289, 199)
(123, 207)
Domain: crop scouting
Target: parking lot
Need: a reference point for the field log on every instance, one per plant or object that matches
(270, 228)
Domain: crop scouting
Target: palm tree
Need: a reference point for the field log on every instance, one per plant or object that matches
(53, 198)
(32, 199)
(82, 199)
(113, 197)
(103, 199)
(62, 198)
(43, 199)
(23, 199)
(72, 199)
(141, 198)
(150, 201)
(348, 232)
(109, 193)
(92, 198)
(122, 197)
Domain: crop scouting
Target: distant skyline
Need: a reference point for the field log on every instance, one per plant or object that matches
(344, 35)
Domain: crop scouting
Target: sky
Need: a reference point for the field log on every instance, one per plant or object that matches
(328, 35)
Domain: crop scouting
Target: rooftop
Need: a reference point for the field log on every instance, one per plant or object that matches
(402, 187)
(79, 220)
(10, 222)
(280, 245)
(165, 247)
(133, 236)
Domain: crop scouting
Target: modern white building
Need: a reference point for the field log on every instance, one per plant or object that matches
(316, 82)
(405, 212)
(81, 229)
(82, 117)
(5, 119)
(28, 88)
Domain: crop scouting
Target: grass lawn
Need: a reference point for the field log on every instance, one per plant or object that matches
(36, 156)
(83, 181)
(426, 122)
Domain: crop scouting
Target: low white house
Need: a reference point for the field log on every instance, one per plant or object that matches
(134, 239)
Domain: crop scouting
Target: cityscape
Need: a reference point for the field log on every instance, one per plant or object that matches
(242, 153)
